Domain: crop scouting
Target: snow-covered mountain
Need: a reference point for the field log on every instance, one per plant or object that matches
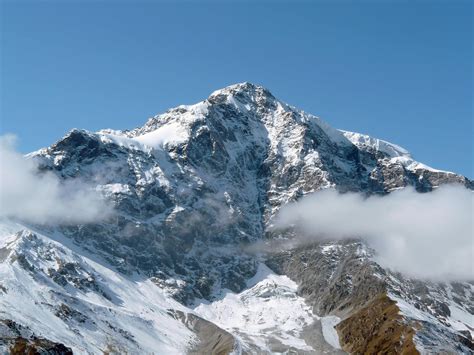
(175, 268)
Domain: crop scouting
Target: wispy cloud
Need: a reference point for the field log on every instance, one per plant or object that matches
(41, 197)
(427, 235)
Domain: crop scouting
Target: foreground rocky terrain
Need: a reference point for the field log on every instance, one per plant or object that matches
(183, 264)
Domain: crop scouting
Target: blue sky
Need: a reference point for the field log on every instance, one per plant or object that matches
(397, 70)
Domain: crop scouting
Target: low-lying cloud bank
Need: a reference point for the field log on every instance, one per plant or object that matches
(427, 235)
(36, 197)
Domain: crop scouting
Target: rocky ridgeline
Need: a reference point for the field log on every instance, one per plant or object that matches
(187, 204)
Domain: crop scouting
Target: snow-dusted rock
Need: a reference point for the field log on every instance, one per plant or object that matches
(192, 190)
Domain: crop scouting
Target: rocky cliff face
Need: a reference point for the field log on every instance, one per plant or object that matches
(195, 187)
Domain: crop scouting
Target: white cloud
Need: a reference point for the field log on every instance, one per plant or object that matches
(427, 235)
(35, 197)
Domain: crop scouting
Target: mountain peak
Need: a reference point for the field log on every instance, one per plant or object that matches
(195, 192)
(244, 88)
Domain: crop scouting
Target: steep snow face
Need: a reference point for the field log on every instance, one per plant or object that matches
(72, 298)
(395, 153)
(269, 316)
(168, 134)
(363, 141)
(266, 315)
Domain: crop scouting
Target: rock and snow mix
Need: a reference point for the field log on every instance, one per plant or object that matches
(269, 311)
(57, 290)
(69, 297)
(191, 190)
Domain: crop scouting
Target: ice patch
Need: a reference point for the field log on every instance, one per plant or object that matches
(328, 324)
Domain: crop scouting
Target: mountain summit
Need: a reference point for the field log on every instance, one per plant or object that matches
(175, 270)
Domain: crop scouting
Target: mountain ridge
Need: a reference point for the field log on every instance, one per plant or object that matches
(195, 187)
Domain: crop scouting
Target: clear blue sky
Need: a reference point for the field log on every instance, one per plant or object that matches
(397, 70)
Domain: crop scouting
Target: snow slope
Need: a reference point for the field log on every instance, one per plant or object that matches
(269, 317)
(267, 313)
(61, 293)
(395, 153)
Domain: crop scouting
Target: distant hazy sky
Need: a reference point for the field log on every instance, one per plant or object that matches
(397, 70)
